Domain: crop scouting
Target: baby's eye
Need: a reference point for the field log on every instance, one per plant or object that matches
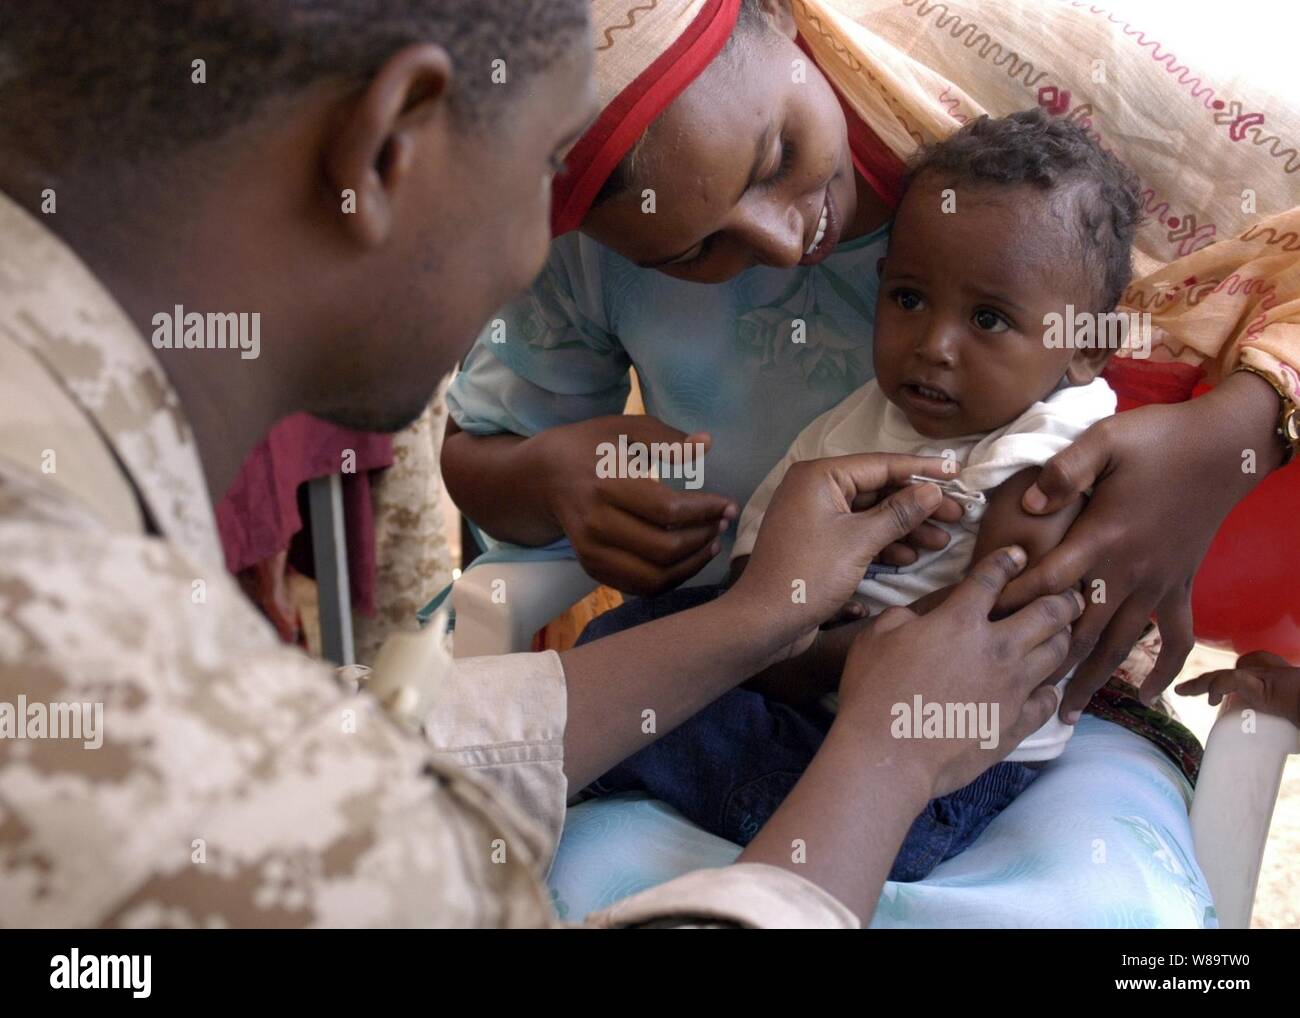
(908, 300)
(990, 321)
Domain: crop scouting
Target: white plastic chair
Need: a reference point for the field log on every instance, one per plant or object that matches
(1235, 793)
(1233, 805)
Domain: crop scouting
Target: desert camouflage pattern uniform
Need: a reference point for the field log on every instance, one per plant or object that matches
(412, 558)
(239, 783)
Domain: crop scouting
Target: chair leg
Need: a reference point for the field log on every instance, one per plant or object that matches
(1233, 805)
(330, 553)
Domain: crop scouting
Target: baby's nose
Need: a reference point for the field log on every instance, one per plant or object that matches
(939, 344)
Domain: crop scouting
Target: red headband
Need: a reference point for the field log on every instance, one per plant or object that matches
(598, 152)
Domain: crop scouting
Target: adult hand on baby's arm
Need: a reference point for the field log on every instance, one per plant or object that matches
(1163, 479)
(1005, 524)
(878, 782)
(827, 521)
(1261, 680)
(956, 654)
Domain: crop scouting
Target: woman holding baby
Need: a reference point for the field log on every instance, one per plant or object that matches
(758, 147)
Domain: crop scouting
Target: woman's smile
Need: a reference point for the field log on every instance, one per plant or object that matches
(827, 233)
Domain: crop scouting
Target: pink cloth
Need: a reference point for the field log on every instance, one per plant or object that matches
(259, 518)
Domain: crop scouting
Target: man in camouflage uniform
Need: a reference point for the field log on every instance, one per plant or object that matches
(316, 169)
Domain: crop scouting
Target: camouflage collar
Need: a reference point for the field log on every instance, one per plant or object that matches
(54, 307)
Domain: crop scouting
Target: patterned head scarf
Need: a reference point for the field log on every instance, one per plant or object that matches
(1217, 259)
(647, 53)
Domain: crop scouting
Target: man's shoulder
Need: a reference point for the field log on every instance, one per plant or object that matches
(58, 559)
(165, 642)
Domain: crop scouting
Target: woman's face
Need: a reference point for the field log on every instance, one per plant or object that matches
(749, 166)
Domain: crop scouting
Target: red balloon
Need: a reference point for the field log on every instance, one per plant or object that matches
(1247, 592)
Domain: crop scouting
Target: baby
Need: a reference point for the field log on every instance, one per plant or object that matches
(1006, 228)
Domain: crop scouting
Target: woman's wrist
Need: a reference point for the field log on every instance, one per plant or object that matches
(1247, 409)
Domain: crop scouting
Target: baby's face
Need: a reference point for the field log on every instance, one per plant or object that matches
(963, 302)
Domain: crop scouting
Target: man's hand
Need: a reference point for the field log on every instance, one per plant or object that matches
(828, 520)
(955, 654)
(1261, 680)
(1164, 477)
(850, 810)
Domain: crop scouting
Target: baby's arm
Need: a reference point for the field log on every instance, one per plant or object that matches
(1005, 522)
(815, 671)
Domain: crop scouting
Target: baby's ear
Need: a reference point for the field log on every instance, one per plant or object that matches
(1086, 365)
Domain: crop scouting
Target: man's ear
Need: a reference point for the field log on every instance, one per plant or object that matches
(782, 18)
(372, 148)
(1086, 365)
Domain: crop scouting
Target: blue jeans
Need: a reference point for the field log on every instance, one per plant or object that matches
(729, 767)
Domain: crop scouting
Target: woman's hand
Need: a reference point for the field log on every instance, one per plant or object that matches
(827, 521)
(1261, 680)
(1164, 477)
(634, 534)
(955, 655)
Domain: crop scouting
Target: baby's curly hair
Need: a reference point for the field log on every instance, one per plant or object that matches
(1050, 153)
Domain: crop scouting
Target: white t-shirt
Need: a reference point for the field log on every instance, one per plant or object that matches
(867, 422)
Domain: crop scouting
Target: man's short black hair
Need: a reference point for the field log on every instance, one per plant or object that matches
(113, 78)
(1050, 153)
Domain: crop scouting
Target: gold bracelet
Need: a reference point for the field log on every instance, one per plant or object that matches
(1288, 425)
